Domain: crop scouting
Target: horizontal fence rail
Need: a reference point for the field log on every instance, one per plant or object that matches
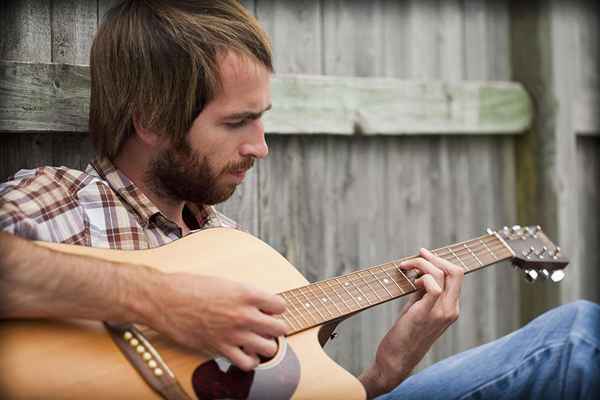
(45, 97)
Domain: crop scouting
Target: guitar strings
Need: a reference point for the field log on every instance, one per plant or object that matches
(479, 247)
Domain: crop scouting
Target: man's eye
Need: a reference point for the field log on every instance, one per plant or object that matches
(237, 124)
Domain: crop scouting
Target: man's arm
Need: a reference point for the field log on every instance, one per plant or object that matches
(424, 318)
(209, 314)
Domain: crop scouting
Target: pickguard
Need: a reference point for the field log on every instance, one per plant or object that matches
(276, 379)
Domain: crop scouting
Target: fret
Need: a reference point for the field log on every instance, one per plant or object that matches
(322, 302)
(288, 321)
(381, 295)
(294, 309)
(310, 304)
(349, 294)
(393, 280)
(360, 292)
(404, 275)
(302, 311)
(457, 257)
(328, 299)
(341, 298)
(382, 285)
(360, 275)
(367, 281)
(473, 254)
(488, 249)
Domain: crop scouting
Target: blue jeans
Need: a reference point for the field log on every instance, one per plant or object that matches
(555, 356)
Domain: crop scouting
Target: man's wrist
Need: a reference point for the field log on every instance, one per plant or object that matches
(373, 381)
(137, 291)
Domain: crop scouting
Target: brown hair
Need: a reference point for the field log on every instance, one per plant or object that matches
(158, 60)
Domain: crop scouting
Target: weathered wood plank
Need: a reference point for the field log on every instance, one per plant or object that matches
(586, 106)
(586, 115)
(25, 30)
(51, 97)
(74, 24)
(588, 168)
(43, 97)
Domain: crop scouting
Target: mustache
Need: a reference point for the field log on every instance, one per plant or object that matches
(244, 165)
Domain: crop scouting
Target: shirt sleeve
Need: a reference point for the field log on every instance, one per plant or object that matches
(38, 205)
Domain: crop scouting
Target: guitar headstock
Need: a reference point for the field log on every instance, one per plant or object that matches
(535, 254)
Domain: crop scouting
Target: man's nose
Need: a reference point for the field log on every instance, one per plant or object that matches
(256, 145)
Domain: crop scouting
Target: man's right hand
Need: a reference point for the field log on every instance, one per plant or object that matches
(215, 316)
(212, 315)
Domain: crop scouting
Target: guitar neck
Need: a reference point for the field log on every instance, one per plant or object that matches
(336, 298)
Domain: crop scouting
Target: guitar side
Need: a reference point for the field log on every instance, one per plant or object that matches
(75, 359)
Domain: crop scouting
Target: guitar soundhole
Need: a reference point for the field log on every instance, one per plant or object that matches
(276, 379)
(211, 382)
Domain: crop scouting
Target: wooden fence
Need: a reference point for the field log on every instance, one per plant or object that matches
(395, 125)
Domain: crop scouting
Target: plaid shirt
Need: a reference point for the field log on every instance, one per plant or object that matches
(100, 207)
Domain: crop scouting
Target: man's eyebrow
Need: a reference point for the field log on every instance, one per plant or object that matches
(247, 114)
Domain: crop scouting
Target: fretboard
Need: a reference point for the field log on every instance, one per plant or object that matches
(336, 298)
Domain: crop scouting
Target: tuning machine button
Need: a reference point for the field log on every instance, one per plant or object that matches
(541, 252)
(528, 252)
(557, 275)
(530, 275)
(544, 274)
(556, 253)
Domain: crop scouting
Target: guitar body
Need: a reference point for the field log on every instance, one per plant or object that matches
(78, 359)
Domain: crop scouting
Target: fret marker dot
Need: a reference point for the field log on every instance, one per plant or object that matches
(324, 300)
(359, 298)
(346, 284)
(307, 305)
(386, 280)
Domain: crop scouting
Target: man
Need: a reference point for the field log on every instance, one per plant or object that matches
(178, 91)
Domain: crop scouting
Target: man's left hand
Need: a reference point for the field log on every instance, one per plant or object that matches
(432, 309)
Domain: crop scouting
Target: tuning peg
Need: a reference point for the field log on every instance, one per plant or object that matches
(527, 253)
(505, 232)
(530, 275)
(557, 275)
(490, 231)
(556, 253)
(516, 228)
(541, 253)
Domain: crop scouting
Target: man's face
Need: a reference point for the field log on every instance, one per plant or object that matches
(223, 142)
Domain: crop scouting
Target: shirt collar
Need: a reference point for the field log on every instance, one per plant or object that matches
(128, 192)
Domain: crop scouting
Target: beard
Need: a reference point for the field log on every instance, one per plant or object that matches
(179, 174)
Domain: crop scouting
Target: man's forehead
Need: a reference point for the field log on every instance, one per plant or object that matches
(235, 68)
(245, 84)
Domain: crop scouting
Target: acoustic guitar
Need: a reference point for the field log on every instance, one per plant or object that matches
(75, 359)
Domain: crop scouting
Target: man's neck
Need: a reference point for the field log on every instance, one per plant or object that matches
(135, 169)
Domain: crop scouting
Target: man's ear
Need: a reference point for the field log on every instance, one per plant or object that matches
(146, 136)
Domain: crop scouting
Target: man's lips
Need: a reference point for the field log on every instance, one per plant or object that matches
(239, 174)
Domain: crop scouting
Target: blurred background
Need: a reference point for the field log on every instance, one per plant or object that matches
(333, 202)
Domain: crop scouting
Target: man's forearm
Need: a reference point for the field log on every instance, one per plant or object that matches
(37, 282)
